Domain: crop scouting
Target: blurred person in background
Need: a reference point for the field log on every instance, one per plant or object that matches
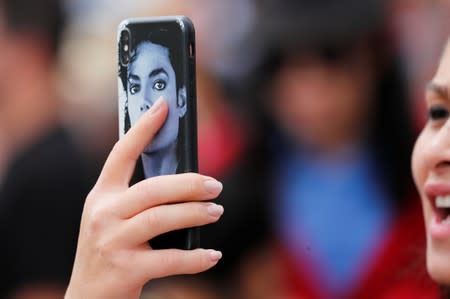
(44, 185)
(324, 205)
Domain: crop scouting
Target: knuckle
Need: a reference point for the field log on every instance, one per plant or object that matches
(148, 188)
(104, 251)
(170, 261)
(97, 217)
(195, 184)
(201, 211)
(117, 146)
(197, 261)
(121, 260)
(114, 259)
(91, 197)
(122, 149)
(194, 214)
(153, 219)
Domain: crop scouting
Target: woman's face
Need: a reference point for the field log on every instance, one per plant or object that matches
(431, 169)
(150, 76)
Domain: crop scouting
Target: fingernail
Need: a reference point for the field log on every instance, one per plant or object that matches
(156, 105)
(215, 210)
(215, 255)
(212, 186)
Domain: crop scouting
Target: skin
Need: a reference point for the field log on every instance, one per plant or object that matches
(323, 105)
(113, 257)
(25, 58)
(431, 169)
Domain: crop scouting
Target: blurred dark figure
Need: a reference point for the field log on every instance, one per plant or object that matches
(44, 187)
(323, 205)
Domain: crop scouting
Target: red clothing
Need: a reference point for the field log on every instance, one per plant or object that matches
(397, 271)
(220, 144)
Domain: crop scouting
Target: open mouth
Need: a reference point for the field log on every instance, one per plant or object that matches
(442, 209)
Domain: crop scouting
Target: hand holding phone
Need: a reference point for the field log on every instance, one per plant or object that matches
(113, 257)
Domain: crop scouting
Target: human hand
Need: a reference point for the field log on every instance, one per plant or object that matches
(114, 259)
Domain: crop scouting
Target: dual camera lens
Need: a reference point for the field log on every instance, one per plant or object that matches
(124, 47)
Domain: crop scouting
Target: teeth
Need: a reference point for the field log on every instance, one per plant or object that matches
(443, 201)
(446, 221)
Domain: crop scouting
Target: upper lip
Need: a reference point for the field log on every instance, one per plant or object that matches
(435, 189)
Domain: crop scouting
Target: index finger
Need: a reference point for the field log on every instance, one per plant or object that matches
(120, 164)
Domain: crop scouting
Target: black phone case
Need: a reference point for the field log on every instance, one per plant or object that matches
(156, 56)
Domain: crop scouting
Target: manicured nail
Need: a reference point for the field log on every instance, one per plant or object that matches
(215, 255)
(215, 210)
(212, 186)
(156, 105)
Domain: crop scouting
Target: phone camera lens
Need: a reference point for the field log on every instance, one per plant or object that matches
(125, 36)
(124, 47)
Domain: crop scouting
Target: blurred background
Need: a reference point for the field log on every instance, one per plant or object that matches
(307, 111)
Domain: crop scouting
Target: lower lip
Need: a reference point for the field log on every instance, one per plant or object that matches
(439, 229)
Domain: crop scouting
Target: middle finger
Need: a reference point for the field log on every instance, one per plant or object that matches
(167, 189)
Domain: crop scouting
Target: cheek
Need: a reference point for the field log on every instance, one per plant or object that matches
(170, 94)
(172, 123)
(169, 131)
(149, 95)
(418, 165)
(291, 106)
(134, 108)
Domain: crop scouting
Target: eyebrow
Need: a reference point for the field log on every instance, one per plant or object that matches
(154, 73)
(158, 71)
(134, 77)
(440, 90)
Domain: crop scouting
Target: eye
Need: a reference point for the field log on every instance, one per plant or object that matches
(135, 88)
(438, 113)
(159, 85)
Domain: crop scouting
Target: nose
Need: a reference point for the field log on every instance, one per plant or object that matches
(145, 106)
(147, 102)
(437, 152)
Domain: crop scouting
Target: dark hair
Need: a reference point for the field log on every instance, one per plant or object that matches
(45, 18)
(309, 24)
(161, 38)
(156, 37)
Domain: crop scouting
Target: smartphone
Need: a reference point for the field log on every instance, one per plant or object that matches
(156, 57)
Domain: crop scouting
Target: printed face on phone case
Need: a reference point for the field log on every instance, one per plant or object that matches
(150, 76)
